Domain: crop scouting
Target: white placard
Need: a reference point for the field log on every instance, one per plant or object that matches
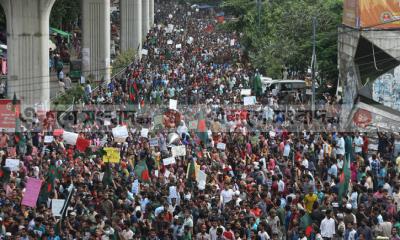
(172, 192)
(189, 13)
(145, 51)
(170, 42)
(178, 151)
(201, 178)
(107, 122)
(190, 40)
(221, 146)
(245, 92)
(248, 101)
(144, 132)
(169, 161)
(167, 173)
(232, 42)
(120, 132)
(173, 104)
(12, 164)
(48, 139)
(178, 46)
(70, 137)
(170, 16)
(56, 206)
(156, 173)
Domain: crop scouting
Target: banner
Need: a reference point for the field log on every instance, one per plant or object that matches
(112, 155)
(377, 14)
(8, 114)
(31, 192)
(380, 14)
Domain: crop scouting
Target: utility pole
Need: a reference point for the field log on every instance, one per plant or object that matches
(313, 63)
(259, 13)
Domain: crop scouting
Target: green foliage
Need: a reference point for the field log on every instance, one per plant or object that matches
(123, 60)
(65, 14)
(74, 94)
(283, 36)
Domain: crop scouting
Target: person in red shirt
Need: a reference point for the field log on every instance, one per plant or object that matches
(228, 233)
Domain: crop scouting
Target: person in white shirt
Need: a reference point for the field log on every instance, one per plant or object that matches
(281, 184)
(340, 150)
(226, 195)
(327, 227)
(358, 143)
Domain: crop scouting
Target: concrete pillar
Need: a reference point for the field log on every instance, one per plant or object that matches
(145, 18)
(96, 39)
(131, 24)
(151, 13)
(28, 50)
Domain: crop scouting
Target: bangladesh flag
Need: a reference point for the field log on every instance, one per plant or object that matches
(142, 172)
(344, 180)
(133, 89)
(202, 129)
(53, 174)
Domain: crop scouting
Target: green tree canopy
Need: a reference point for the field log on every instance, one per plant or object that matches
(283, 35)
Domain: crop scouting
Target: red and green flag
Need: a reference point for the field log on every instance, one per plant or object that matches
(142, 172)
(344, 180)
(202, 130)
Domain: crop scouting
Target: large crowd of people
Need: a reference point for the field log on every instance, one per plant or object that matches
(246, 172)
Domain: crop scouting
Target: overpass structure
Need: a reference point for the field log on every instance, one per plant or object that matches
(28, 42)
(368, 47)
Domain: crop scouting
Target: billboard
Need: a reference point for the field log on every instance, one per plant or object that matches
(8, 115)
(377, 14)
(350, 13)
(382, 14)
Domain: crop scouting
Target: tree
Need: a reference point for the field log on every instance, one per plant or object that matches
(283, 38)
(65, 14)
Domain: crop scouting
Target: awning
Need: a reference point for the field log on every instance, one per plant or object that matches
(58, 31)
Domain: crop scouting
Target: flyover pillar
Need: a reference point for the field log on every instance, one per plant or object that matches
(28, 50)
(145, 18)
(96, 39)
(151, 13)
(131, 24)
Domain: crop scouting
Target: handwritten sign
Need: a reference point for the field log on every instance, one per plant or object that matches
(120, 133)
(144, 133)
(12, 164)
(153, 142)
(221, 146)
(169, 161)
(56, 207)
(32, 192)
(48, 139)
(145, 51)
(173, 104)
(178, 151)
(112, 155)
(245, 92)
(248, 101)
